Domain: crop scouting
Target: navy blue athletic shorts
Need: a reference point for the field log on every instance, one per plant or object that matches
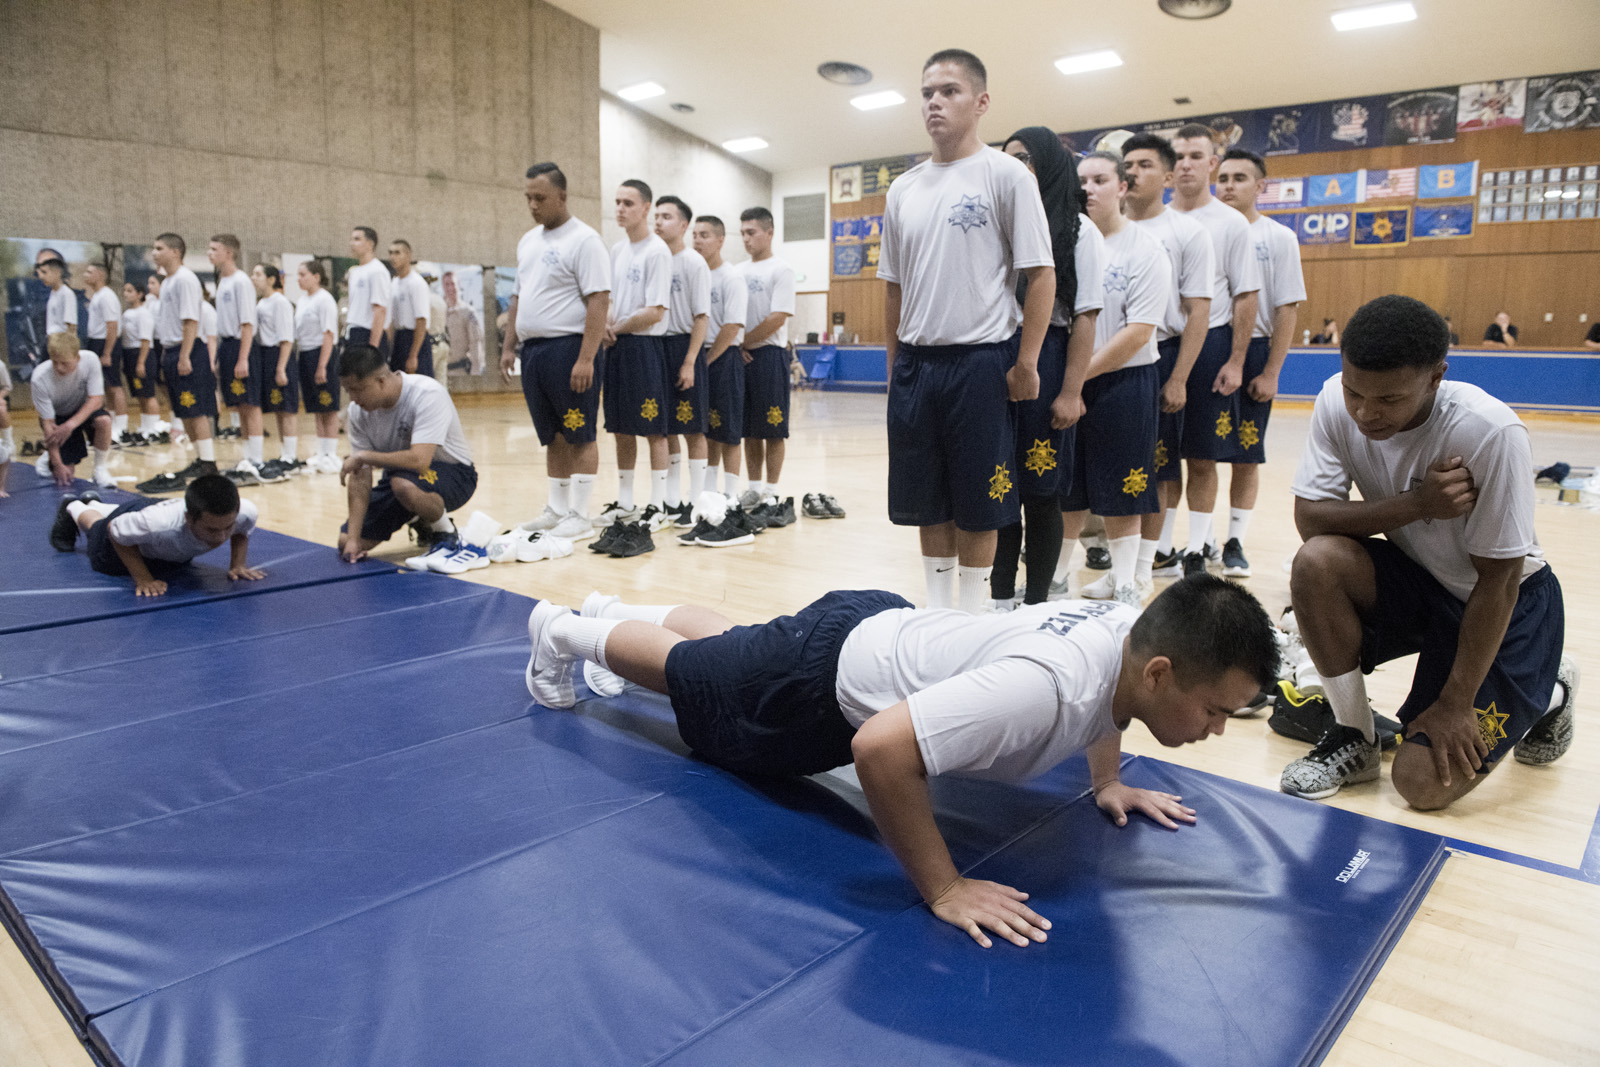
(635, 394)
(952, 437)
(246, 390)
(324, 397)
(766, 393)
(455, 482)
(103, 555)
(76, 447)
(361, 335)
(193, 395)
(547, 364)
(1169, 424)
(110, 371)
(686, 413)
(762, 699)
(140, 386)
(1115, 455)
(1043, 460)
(283, 399)
(1415, 614)
(402, 352)
(1209, 418)
(725, 396)
(1250, 436)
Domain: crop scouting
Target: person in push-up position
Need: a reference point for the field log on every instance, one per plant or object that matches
(904, 693)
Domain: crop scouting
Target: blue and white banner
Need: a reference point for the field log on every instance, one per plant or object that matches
(1437, 222)
(1442, 181)
(1387, 227)
(1319, 227)
(1323, 189)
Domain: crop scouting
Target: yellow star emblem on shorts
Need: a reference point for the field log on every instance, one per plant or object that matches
(276, 396)
(1224, 424)
(774, 415)
(430, 476)
(138, 383)
(685, 411)
(186, 399)
(650, 409)
(1041, 457)
(236, 387)
(573, 419)
(1161, 454)
(715, 419)
(324, 398)
(1249, 436)
(1491, 724)
(1136, 482)
(1000, 482)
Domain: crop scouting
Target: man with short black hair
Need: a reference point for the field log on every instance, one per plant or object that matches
(410, 347)
(1500, 333)
(105, 326)
(769, 304)
(1457, 574)
(61, 308)
(185, 363)
(368, 285)
(729, 297)
(239, 368)
(688, 316)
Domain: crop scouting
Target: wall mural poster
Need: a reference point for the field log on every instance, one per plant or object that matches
(1487, 105)
(1351, 123)
(458, 288)
(1564, 102)
(25, 294)
(1290, 130)
(847, 183)
(1238, 129)
(1424, 117)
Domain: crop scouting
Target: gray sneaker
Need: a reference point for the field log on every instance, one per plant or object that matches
(1343, 757)
(1130, 595)
(749, 499)
(1550, 737)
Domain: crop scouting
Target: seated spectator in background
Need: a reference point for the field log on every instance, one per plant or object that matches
(1329, 334)
(1455, 338)
(1500, 334)
(1593, 340)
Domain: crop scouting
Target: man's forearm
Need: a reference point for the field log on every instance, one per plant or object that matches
(133, 560)
(895, 784)
(1245, 306)
(358, 492)
(191, 330)
(1483, 630)
(380, 316)
(767, 327)
(724, 340)
(416, 458)
(640, 320)
(697, 337)
(1080, 353)
(419, 334)
(508, 343)
(1196, 323)
(109, 351)
(1105, 761)
(1284, 319)
(891, 322)
(1036, 311)
(1354, 518)
(596, 306)
(1121, 348)
(238, 551)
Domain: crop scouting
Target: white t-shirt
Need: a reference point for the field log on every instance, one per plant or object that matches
(423, 415)
(955, 236)
(369, 287)
(275, 320)
(408, 301)
(769, 289)
(208, 323)
(556, 269)
(180, 302)
(641, 277)
(1137, 284)
(729, 298)
(1466, 422)
(691, 291)
(159, 532)
(1004, 696)
(137, 326)
(58, 397)
(1282, 281)
(316, 315)
(1190, 259)
(104, 307)
(61, 310)
(1236, 270)
(1088, 260)
(236, 304)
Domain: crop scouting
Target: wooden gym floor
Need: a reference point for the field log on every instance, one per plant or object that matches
(1501, 964)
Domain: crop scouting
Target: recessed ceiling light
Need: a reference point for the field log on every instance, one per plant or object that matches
(873, 101)
(744, 144)
(1361, 18)
(681, 108)
(1181, 100)
(844, 73)
(642, 91)
(1194, 9)
(1087, 61)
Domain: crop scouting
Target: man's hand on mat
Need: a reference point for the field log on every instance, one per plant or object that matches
(1453, 737)
(153, 587)
(975, 905)
(248, 574)
(1118, 800)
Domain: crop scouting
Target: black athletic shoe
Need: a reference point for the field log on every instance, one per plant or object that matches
(635, 541)
(29, 449)
(170, 482)
(64, 530)
(683, 515)
(727, 533)
(197, 468)
(1234, 565)
(1099, 559)
(273, 470)
(1168, 565)
(692, 536)
(603, 544)
(834, 510)
(1305, 715)
(812, 506)
(780, 515)
(1194, 563)
(747, 522)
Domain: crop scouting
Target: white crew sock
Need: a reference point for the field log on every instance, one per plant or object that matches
(658, 488)
(207, 449)
(149, 424)
(1169, 530)
(1347, 695)
(101, 458)
(972, 584)
(119, 426)
(560, 495)
(625, 490)
(771, 490)
(255, 448)
(1064, 561)
(328, 446)
(1144, 570)
(655, 614)
(575, 635)
(1124, 558)
(1238, 523)
(730, 485)
(1199, 531)
(940, 573)
(233, 419)
(697, 478)
(674, 486)
(78, 507)
(713, 478)
(759, 488)
(291, 446)
(442, 524)
(582, 489)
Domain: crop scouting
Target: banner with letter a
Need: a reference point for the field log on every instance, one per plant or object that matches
(1322, 189)
(1443, 181)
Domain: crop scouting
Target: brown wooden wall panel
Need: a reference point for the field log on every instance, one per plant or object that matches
(862, 304)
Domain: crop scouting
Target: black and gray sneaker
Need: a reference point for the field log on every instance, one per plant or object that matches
(197, 468)
(1194, 563)
(692, 536)
(812, 506)
(1168, 565)
(1305, 715)
(170, 482)
(780, 515)
(635, 540)
(834, 510)
(64, 530)
(1098, 559)
(607, 540)
(1234, 565)
(1343, 757)
(682, 515)
(273, 470)
(1550, 737)
(747, 522)
(730, 531)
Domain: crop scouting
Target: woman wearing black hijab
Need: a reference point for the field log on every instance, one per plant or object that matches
(1044, 426)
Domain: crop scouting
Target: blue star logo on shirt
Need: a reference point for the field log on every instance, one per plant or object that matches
(755, 286)
(551, 258)
(1262, 253)
(677, 284)
(635, 274)
(968, 213)
(1116, 278)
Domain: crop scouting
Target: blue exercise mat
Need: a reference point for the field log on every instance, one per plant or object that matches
(41, 587)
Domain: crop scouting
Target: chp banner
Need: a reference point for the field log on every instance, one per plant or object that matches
(1318, 227)
(1389, 226)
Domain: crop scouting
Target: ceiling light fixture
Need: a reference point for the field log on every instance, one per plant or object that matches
(1194, 9)
(681, 108)
(744, 144)
(1363, 18)
(1087, 61)
(873, 101)
(642, 91)
(841, 73)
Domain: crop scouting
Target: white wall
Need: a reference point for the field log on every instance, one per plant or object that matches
(809, 258)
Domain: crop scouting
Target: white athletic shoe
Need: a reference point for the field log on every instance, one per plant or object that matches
(440, 551)
(1103, 588)
(1008, 604)
(604, 683)
(572, 527)
(540, 546)
(549, 672)
(503, 549)
(1060, 590)
(612, 513)
(547, 519)
(1129, 594)
(466, 557)
(596, 603)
